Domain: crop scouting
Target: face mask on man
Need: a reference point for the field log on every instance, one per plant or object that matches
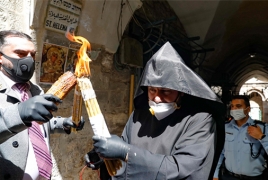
(23, 68)
(237, 114)
(162, 110)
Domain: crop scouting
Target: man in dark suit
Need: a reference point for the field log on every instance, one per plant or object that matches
(22, 105)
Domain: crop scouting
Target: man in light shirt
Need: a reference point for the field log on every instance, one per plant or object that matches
(246, 144)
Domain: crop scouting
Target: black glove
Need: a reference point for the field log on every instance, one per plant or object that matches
(38, 108)
(68, 123)
(93, 160)
(111, 148)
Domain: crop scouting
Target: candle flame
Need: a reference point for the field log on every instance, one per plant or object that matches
(82, 65)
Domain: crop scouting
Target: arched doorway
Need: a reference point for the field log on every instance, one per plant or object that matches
(255, 89)
(255, 110)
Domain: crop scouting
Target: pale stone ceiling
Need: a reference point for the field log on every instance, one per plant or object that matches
(234, 29)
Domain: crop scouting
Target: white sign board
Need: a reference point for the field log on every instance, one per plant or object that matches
(61, 14)
(67, 5)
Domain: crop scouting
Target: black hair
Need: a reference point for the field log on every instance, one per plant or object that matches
(12, 33)
(243, 97)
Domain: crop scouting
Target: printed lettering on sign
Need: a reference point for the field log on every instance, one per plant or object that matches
(67, 5)
(59, 20)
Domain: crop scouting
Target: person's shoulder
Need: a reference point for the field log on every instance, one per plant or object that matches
(260, 123)
(228, 124)
(36, 88)
(228, 121)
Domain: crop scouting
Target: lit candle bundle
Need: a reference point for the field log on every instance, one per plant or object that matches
(97, 121)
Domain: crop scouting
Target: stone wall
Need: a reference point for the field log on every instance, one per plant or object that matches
(13, 15)
(265, 111)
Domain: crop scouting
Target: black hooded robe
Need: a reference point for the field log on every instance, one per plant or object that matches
(185, 144)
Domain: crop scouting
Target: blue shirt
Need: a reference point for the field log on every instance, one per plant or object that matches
(237, 151)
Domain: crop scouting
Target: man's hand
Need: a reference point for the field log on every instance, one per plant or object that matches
(215, 178)
(93, 160)
(68, 123)
(111, 148)
(255, 131)
(38, 108)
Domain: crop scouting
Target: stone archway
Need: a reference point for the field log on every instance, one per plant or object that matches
(260, 93)
(258, 103)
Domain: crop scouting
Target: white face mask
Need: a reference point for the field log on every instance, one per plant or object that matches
(162, 110)
(237, 114)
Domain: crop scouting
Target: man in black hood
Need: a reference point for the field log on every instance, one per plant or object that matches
(176, 130)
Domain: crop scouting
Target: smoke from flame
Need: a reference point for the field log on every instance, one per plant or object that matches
(82, 64)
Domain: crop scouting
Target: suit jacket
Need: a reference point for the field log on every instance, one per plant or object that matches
(14, 139)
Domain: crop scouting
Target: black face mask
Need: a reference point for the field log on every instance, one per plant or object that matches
(23, 68)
